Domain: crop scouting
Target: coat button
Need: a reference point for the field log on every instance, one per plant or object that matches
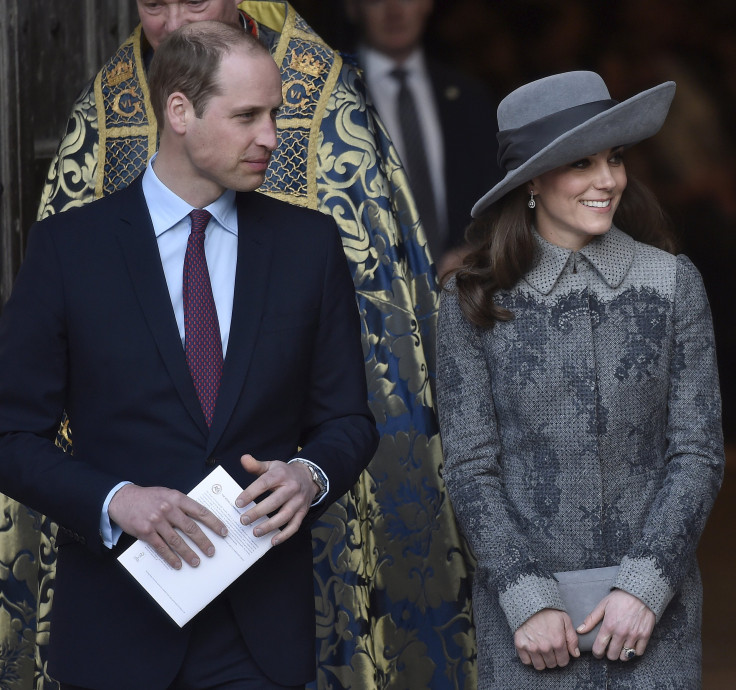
(211, 461)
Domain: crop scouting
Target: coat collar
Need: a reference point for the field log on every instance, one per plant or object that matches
(611, 255)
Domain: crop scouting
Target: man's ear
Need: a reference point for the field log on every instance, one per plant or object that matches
(178, 112)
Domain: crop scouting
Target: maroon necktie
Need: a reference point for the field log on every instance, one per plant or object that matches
(202, 342)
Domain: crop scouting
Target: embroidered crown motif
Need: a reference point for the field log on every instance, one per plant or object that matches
(307, 64)
(121, 72)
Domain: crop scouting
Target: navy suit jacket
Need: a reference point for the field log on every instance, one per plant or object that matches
(90, 329)
(468, 120)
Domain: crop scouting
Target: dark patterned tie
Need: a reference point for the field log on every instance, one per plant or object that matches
(202, 342)
(416, 162)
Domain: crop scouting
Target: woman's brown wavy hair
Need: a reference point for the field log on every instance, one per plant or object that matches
(503, 247)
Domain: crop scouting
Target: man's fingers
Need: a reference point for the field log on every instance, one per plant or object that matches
(290, 491)
(268, 476)
(175, 547)
(193, 531)
(287, 527)
(159, 545)
(250, 464)
(287, 515)
(198, 512)
(272, 503)
(160, 517)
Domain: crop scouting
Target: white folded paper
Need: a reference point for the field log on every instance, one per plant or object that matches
(184, 593)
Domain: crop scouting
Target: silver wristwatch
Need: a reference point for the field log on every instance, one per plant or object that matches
(318, 477)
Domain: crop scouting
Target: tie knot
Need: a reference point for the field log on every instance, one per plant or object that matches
(200, 218)
(400, 74)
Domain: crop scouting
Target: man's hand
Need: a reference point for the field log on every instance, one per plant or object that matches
(627, 623)
(153, 513)
(292, 492)
(546, 640)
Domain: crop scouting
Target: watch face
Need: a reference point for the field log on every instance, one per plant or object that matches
(317, 477)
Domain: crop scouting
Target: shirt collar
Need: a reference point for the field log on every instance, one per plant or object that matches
(377, 63)
(611, 255)
(167, 209)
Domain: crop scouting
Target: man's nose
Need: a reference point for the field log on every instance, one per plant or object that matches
(269, 137)
(176, 17)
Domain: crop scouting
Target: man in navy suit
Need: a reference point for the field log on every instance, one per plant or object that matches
(103, 322)
(456, 117)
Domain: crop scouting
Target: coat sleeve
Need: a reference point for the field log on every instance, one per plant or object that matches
(655, 567)
(470, 439)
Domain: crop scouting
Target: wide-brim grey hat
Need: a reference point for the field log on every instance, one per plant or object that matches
(562, 118)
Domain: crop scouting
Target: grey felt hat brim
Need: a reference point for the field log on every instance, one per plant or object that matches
(627, 123)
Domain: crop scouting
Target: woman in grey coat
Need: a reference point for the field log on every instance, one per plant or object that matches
(578, 401)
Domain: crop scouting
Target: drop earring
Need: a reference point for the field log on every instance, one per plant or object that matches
(531, 203)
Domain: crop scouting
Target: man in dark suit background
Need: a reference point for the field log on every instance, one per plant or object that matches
(251, 361)
(454, 125)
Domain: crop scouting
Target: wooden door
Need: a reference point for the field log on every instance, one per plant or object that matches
(48, 52)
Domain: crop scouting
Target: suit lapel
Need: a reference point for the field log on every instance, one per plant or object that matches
(255, 246)
(138, 243)
(447, 94)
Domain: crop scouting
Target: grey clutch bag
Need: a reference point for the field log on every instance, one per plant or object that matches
(581, 591)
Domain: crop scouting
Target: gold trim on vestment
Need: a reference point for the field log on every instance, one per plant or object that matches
(309, 70)
(125, 118)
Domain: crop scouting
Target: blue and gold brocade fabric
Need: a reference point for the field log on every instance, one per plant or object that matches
(391, 573)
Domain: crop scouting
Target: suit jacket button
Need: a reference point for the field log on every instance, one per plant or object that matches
(211, 461)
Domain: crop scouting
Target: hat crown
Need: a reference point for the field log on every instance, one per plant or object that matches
(548, 96)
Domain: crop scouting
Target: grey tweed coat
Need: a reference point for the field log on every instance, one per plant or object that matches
(585, 432)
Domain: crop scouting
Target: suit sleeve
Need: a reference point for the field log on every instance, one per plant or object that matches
(339, 431)
(33, 392)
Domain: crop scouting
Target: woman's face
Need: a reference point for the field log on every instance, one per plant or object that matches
(576, 202)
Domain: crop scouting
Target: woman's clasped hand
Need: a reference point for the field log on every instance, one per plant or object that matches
(548, 639)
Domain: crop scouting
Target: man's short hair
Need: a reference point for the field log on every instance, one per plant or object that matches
(188, 61)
